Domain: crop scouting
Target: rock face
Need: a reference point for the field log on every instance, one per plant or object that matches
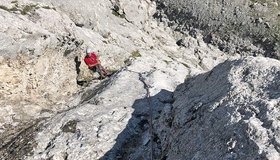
(51, 108)
(230, 112)
(35, 56)
(231, 25)
(42, 46)
(41, 63)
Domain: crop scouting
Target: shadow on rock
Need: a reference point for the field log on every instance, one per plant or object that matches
(134, 141)
(197, 124)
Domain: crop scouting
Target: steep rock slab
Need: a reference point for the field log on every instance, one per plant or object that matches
(231, 112)
(36, 68)
(117, 39)
(107, 120)
(42, 47)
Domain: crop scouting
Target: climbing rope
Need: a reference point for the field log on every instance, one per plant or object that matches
(151, 122)
(147, 87)
(148, 96)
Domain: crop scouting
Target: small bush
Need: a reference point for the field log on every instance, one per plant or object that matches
(133, 56)
(28, 8)
(136, 54)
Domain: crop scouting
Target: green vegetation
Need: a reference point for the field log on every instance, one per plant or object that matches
(4, 8)
(187, 66)
(29, 8)
(132, 56)
(48, 7)
(9, 9)
(166, 61)
(25, 9)
(135, 54)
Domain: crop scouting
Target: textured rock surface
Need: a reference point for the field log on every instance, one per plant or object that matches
(41, 64)
(48, 53)
(231, 25)
(230, 112)
(45, 114)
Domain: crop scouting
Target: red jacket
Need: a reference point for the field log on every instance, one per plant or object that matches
(91, 60)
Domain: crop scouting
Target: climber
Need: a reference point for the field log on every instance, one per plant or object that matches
(94, 64)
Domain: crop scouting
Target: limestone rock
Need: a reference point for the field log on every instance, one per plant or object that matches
(236, 23)
(48, 113)
(228, 113)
